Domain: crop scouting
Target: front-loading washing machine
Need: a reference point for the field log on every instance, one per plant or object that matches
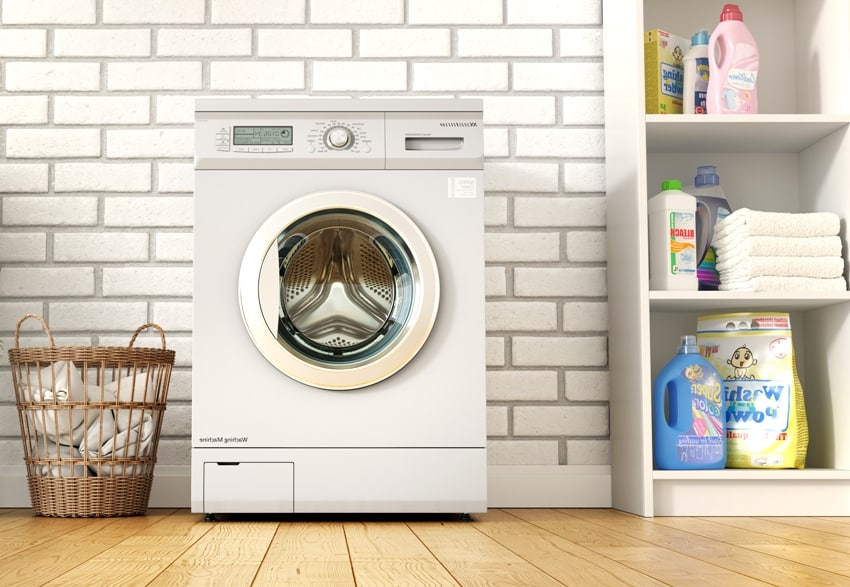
(338, 337)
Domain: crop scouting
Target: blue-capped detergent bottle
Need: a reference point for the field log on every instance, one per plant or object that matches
(688, 412)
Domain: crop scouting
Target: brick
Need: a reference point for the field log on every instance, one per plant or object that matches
(561, 420)
(23, 177)
(583, 110)
(584, 177)
(357, 11)
(548, 12)
(19, 247)
(586, 316)
(50, 76)
(523, 316)
(175, 177)
(522, 386)
(97, 316)
(102, 177)
(49, 12)
(497, 421)
(521, 177)
(189, 42)
(161, 75)
(455, 13)
(586, 246)
(496, 142)
(40, 282)
(564, 143)
(538, 351)
(363, 76)
(495, 211)
(562, 77)
(102, 43)
(518, 247)
(23, 43)
(150, 143)
(406, 42)
(52, 142)
(100, 246)
(23, 110)
(495, 351)
(495, 281)
(10, 313)
(519, 110)
(304, 43)
(49, 211)
(258, 12)
(175, 109)
(503, 42)
(581, 42)
(148, 211)
(244, 75)
(174, 246)
(460, 77)
(147, 281)
(559, 211)
(97, 110)
(173, 315)
(586, 386)
(522, 452)
(588, 452)
(560, 282)
(153, 11)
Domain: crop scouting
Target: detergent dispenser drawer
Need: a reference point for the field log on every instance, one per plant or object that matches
(249, 487)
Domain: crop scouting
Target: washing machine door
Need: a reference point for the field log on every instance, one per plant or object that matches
(339, 290)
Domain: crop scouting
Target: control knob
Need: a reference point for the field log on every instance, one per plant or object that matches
(339, 138)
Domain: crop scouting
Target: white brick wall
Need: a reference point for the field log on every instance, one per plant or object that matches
(96, 177)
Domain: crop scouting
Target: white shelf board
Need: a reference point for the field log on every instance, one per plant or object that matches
(679, 301)
(753, 475)
(752, 133)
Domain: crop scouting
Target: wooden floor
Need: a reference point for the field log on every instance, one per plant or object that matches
(527, 547)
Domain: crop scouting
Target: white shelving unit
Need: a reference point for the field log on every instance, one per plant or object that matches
(794, 156)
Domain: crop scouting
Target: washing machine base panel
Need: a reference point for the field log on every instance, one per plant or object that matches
(339, 480)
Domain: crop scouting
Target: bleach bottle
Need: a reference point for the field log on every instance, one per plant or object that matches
(734, 63)
(688, 412)
(672, 239)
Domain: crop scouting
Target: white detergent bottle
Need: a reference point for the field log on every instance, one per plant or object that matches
(672, 239)
(734, 62)
(696, 71)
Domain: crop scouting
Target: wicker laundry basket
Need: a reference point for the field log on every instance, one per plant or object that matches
(90, 421)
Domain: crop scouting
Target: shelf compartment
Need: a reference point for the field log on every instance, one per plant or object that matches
(728, 301)
(756, 133)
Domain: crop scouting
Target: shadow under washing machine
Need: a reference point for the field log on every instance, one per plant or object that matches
(338, 341)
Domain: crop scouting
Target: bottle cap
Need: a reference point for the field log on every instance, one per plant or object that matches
(731, 12)
(700, 37)
(671, 184)
(706, 175)
(688, 345)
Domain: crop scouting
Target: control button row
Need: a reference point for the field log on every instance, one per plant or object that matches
(255, 149)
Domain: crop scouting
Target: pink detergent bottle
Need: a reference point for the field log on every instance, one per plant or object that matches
(733, 58)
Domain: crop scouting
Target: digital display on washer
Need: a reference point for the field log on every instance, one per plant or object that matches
(262, 135)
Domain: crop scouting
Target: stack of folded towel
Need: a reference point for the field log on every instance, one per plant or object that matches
(779, 251)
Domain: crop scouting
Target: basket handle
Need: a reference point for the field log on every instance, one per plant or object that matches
(43, 325)
(148, 325)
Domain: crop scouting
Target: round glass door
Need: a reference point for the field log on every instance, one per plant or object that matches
(339, 290)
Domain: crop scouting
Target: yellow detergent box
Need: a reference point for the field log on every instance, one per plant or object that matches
(664, 76)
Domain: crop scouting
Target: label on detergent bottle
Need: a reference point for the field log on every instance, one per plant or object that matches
(704, 443)
(701, 85)
(683, 233)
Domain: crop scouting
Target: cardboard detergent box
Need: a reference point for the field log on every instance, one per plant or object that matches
(664, 76)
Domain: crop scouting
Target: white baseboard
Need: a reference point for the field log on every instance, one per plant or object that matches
(514, 486)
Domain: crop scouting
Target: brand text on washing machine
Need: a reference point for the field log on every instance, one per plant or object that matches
(444, 124)
(225, 439)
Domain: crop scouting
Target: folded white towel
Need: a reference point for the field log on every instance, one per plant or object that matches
(772, 283)
(745, 222)
(822, 267)
(777, 246)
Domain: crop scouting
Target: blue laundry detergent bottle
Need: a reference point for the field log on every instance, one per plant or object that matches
(688, 412)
